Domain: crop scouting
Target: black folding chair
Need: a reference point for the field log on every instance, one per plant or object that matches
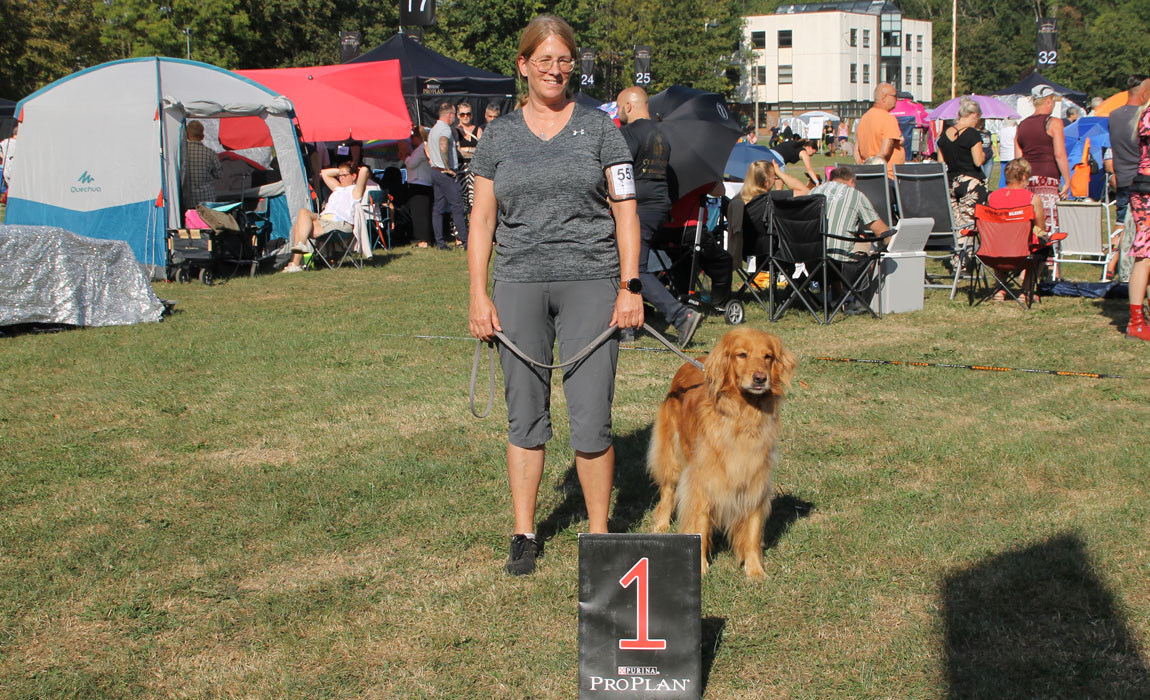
(797, 235)
(872, 181)
(922, 191)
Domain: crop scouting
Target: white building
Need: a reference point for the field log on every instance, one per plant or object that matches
(832, 55)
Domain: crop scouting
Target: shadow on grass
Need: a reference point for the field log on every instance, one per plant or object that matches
(1038, 623)
(712, 639)
(634, 491)
(1117, 310)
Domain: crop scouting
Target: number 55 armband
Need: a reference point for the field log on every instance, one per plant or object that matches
(621, 182)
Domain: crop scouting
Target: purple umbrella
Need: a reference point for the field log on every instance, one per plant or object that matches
(992, 108)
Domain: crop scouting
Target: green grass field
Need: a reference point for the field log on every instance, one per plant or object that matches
(279, 492)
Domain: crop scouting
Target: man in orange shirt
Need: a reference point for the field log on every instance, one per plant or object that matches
(878, 132)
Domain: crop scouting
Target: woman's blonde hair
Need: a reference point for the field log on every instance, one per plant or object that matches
(1017, 171)
(760, 178)
(534, 34)
(543, 26)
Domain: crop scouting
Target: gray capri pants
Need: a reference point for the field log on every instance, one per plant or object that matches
(532, 314)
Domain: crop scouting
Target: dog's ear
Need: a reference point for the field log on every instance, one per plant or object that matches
(717, 367)
(782, 368)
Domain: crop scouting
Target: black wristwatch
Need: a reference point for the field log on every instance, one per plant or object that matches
(634, 285)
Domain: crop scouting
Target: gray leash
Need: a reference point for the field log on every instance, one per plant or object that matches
(591, 347)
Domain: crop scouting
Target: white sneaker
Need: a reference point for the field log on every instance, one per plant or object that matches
(292, 267)
(302, 248)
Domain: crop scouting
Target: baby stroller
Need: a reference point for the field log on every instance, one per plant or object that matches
(690, 247)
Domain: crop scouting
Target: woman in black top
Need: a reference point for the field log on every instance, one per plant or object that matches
(960, 147)
(794, 150)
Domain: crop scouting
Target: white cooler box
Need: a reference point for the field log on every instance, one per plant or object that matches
(902, 269)
(901, 278)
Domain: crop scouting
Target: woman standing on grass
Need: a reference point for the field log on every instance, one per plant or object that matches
(557, 177)
(1137, 329)
(960, 147)
(1039, 139)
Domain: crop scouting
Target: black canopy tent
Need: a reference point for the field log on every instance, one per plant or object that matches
(429, 77)
(7, 117)
(1024, 86)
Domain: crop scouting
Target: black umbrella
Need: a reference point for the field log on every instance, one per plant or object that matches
(701, 131)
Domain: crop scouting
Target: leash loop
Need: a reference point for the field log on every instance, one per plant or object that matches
(590, 348)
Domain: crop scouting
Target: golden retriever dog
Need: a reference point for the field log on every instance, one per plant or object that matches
(714, 444)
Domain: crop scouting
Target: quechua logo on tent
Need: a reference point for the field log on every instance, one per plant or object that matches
(86, 179)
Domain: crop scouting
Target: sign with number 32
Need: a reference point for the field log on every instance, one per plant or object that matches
(640, 624)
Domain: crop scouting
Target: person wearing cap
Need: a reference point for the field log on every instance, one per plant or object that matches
(1043, 145)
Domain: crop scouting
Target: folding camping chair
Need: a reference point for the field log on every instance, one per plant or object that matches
(797, 235)
(1004, 246)
(1084, 242)
(872, 181)
(377, 215)
(335, 248)
(922, 191)
(680, 256)
(756, 222)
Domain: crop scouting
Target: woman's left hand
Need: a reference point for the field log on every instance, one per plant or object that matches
(628, 310)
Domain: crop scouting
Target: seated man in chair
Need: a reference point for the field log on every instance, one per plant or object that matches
(848, 213)
(347, 186)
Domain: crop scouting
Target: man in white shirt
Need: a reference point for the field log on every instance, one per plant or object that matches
(347, 187)
(442, 156)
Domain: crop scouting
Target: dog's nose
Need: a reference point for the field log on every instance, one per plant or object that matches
(759, 377)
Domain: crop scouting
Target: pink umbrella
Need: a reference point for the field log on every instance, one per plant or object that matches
(992, 108)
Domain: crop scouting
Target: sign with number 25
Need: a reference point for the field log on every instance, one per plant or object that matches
(640, 626)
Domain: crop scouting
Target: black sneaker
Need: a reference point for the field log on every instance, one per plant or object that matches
(686, 328)
(524, 552)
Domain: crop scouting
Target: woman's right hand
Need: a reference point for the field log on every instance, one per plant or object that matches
(484, 319)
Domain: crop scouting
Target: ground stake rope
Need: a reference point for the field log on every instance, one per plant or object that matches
(977, 368)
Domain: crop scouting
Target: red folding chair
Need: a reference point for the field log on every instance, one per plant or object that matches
(1007, 248)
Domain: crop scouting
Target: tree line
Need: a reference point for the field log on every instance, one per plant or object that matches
(1101, 42)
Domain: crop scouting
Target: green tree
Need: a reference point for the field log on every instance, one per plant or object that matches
(50, 39)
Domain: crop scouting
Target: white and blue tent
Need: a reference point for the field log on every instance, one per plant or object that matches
(100, 149)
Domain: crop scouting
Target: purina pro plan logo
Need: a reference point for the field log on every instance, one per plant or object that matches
(85, 184)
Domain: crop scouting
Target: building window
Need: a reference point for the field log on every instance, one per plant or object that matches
(760, 75)
(890, 39)
(784, 38)
(758, 40)
(786, 75)
(854, 72)
(854, 37)
(908, 42)
(907, 76)
(918, 76)
(866, 38)
(866, 74)
(920, 43)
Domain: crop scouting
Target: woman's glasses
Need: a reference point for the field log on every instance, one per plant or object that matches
(566, 64)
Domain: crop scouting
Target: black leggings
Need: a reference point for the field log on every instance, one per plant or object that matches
(419, 205)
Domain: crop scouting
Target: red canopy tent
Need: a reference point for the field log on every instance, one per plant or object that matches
(332, 103)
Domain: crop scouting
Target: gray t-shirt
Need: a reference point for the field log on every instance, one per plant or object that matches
(1124, 143)
(555, 223)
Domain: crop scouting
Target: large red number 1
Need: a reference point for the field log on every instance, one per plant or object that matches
(638, 575)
